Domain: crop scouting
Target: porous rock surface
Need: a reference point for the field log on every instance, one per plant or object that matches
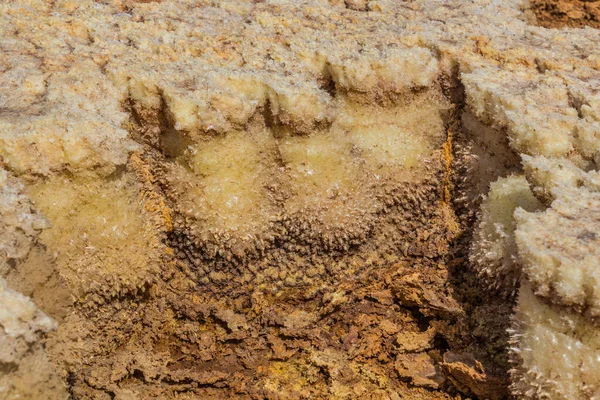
(279, 199)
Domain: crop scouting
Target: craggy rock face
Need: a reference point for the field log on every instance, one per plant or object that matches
(288, 200)
(566, 13)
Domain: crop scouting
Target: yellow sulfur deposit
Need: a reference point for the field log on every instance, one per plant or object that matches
(297, 199)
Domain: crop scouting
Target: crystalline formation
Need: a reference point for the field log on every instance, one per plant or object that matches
(297, 199)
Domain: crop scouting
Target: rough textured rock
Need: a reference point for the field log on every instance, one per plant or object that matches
(557, 352)
(279, 199)
(563, 266)
(494, 250)
(571, 13)
(25, 371)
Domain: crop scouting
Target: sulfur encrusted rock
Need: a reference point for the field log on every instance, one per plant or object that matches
(26, 371)
(287, 199)
(494, 250)
(556, 352)
(560, 249)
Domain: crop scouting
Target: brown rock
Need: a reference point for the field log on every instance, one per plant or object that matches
(415, 341)
(420, 368)
(469, 375)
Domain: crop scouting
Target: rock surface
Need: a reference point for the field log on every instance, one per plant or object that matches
(571, 13)
(280, 199)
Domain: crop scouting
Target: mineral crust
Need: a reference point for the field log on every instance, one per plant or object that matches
(297, 199)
